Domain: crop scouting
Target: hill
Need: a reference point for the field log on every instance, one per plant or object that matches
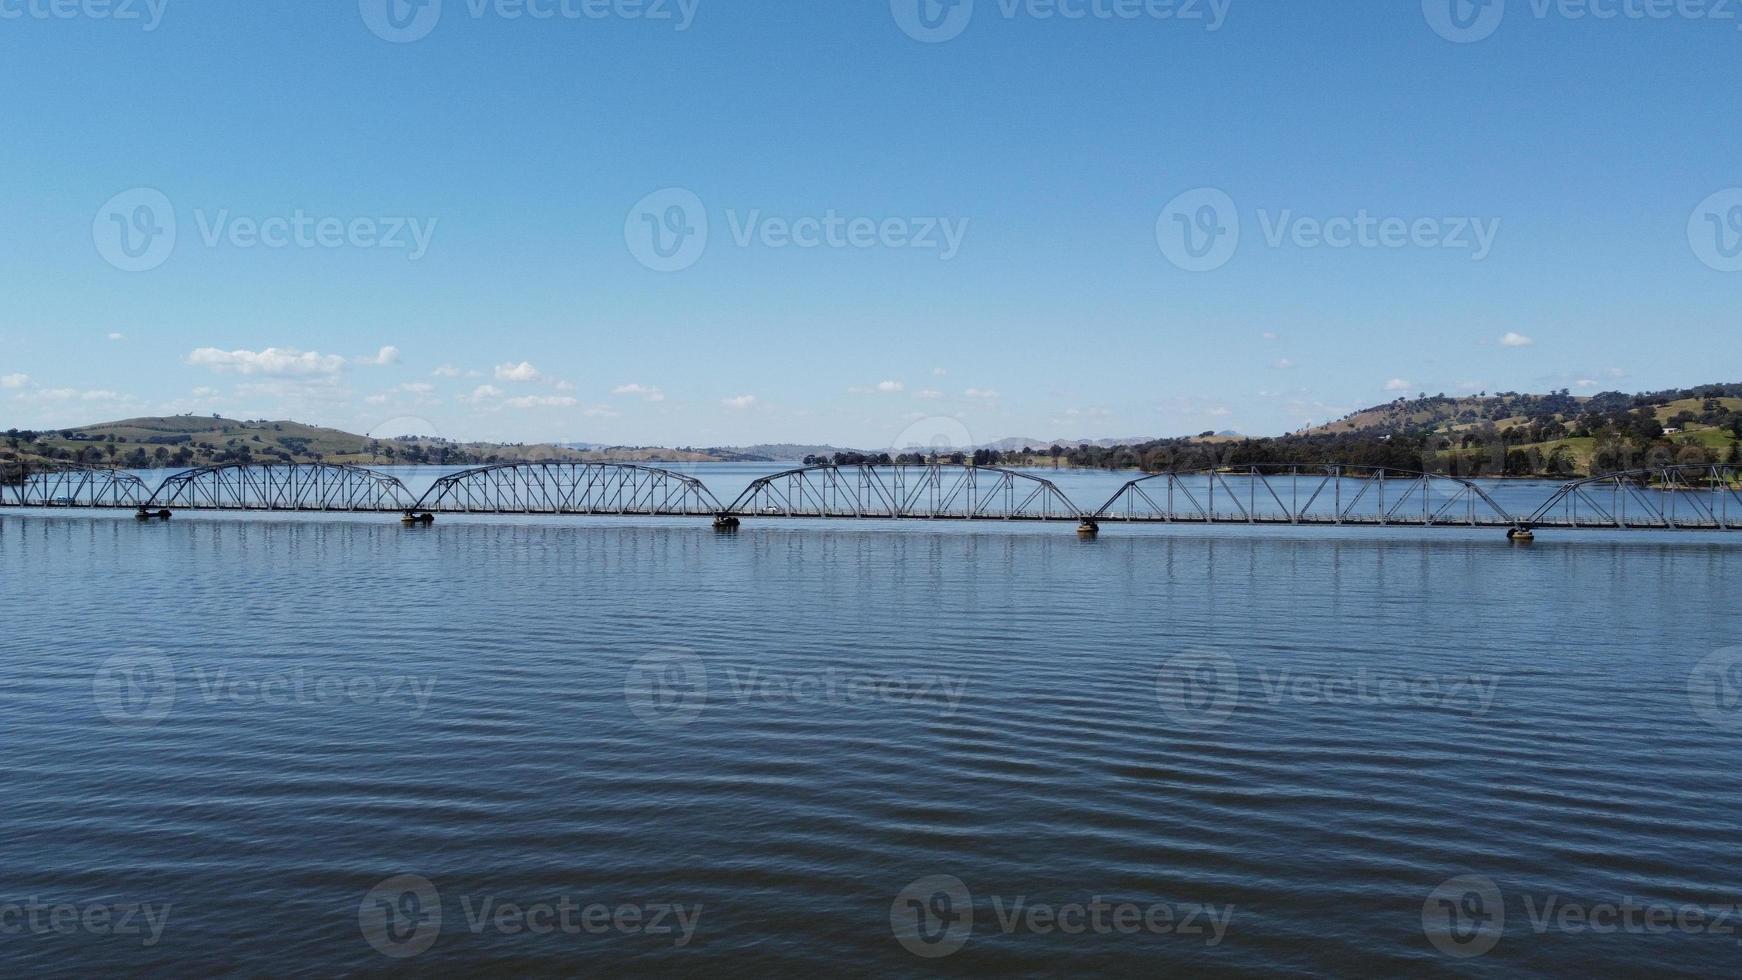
(191, 440)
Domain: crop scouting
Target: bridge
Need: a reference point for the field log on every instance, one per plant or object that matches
(1671, 498)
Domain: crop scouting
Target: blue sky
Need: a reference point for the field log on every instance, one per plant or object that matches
(997, 211)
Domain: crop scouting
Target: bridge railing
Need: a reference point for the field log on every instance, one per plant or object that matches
(1305, 494)
(68, 485)
(904, 492)
(1687, 498)
(570, 488)
(281, 486)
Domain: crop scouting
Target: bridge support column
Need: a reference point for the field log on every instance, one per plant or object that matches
(1088, 528)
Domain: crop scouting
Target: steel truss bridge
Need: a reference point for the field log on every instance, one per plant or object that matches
(1674, 498)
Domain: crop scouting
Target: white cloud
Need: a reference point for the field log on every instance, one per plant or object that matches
(205, 392)
(375, 400)
(928, 394)
(1584, 383)
(985, 393)
(1397, 384)
(880, 388)
(14, 381)
(117, 336)
(1269, 335)
(520, 373)
(482, 393)
(938, 372)
(271, 361)
(445, 371)
(382, 357)
(72, 394)
(1515, 339)
(600, 412)
(565, 386)
(643, 392)
(739, 402)
(1283, 364)
(541, 401)
(417, 387)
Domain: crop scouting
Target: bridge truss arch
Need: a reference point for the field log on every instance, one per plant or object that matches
(68, 485)
(1306, 494)
(906, 492)
(570, 488)
(1701, 497)
(281, 486)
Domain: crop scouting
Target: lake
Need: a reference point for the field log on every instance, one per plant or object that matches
(330, 744)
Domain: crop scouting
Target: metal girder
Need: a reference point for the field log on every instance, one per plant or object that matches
(1311, 495)
(68, 485)
(281, 486)
(902, 492)
(570, 488)
(1681, 498)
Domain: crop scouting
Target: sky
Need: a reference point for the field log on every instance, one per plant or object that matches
(874, 223)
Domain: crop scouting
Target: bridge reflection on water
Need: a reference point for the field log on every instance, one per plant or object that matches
(1674, 498)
